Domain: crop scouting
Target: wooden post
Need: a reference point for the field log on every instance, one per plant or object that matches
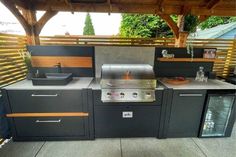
(181, 40)
(30, 16)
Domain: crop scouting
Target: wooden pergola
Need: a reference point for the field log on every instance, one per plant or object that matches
(25, 11)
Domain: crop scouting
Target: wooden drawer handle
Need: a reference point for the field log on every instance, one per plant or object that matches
(48, 121)
(190, 95)
(43, 95)
(65, 114)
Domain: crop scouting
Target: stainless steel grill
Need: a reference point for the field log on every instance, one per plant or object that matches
(128, 83)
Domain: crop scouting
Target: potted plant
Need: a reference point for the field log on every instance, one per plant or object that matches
(26, 57)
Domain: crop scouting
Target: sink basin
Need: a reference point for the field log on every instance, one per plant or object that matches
(52, 79)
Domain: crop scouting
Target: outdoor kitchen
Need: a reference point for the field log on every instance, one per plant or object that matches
(117, 78)
(131, 97)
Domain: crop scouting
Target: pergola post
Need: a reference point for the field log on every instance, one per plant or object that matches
(28, 19)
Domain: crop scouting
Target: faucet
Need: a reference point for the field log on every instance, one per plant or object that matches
(58, 66)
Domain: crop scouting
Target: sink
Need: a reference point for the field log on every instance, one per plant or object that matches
(52, 79)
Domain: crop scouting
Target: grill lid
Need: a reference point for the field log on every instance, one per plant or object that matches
(127, 71)
(127, 76)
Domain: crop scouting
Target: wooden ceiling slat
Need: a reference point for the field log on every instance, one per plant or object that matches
(198, 7)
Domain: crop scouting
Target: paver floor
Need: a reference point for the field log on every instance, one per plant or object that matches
(125, 147)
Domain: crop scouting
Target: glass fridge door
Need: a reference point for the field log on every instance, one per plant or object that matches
(217, 115)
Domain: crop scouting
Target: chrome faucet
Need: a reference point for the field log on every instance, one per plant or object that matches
(58, 66)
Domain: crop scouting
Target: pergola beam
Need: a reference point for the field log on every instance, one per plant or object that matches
(136, 8)
(212, 4)
(28, 19)
(12, 7)
(171, 24)
(44, 19)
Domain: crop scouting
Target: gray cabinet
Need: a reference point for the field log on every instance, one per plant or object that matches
(186, 111)
(126, 119)
(50, 127)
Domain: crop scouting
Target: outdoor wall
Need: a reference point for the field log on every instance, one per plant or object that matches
(122, 55)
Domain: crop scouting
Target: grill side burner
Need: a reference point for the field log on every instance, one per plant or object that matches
(128, 83)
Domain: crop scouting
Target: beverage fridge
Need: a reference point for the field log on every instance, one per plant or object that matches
(219, 114)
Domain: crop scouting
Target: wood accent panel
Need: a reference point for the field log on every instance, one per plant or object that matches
(67, 114)
(188, 60)
(49, 61)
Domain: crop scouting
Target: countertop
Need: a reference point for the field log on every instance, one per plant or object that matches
(210, 84)
(95, 85)
(76, 83)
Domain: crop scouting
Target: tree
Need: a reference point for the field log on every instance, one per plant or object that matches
(215, 21)
(88, 26)
(137, 25)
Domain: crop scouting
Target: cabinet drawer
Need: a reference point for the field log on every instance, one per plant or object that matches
(51, 127)
(46, 101)
(127, 121)
(98, 102)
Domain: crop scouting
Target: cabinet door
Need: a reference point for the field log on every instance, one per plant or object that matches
(126, 121)
(186, 111)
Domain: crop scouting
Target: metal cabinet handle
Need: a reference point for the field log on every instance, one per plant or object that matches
(44, 95)
(190, 95)
(48, 121)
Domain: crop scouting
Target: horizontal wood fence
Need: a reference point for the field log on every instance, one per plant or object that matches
(13, 69)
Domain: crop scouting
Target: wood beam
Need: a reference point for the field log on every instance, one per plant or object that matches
(212, 4)
(110, 7)
(43, 20)
(12, 7)
(159, 4)
(171, 24)
(186, 10)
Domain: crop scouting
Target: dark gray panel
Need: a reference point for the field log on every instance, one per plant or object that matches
(65, 101)
(186, 112)
(179, 52)
(61, 50)
(109, 121)
(4, 127)
(184, 69)
(68, 126)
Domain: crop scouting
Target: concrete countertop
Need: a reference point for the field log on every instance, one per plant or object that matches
(210, 84)
(95, 85)
(76, 83)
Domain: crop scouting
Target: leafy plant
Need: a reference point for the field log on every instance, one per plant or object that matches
(190, 23)
(26, 56)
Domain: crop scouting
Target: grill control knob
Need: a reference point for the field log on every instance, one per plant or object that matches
(108, 95)
(135, 95)
(122, 95)
(148, 95)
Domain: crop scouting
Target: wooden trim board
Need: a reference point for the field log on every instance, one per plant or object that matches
(188, 60)
(51, 61)
(66, 114)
